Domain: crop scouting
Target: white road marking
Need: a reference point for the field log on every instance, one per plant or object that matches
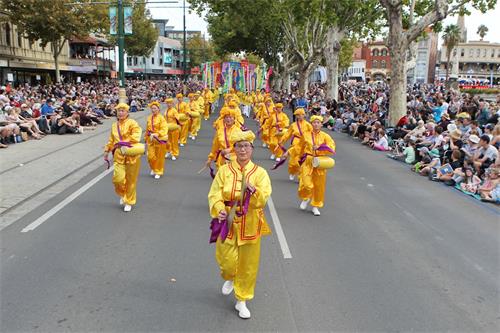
(33, 225)
(279, 230)
(370, 185)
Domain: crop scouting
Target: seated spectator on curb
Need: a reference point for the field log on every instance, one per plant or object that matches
(434, 163)
(418, 131)
(47, 108)
(408, 154)
(382, 143)
(69, 124)
(471, 182)
(29, 126)
(455, 166)
(485, 155)
(490, 189)
(471, 146)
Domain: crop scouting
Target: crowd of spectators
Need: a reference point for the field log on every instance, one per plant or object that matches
(32, 112)
(446, 135)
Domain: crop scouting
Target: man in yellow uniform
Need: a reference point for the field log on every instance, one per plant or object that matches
(156, 138)
(183, 108)
(296, 133)
(222, 146)
(208, 100)
(312, 182)
(172, 117)
(125, 133)
(236, 202)
(265, 115)
(277, 124)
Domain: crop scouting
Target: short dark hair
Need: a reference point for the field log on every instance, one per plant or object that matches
(485, 138)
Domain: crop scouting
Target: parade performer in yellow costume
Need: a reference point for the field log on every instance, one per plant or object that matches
(183, 108)
(264, 117)
(172, 117)
(296, 133)
(125, 134)
(156, 138)
(276, 125)
(312, 181)
(222, 146)
(235, 112)
(208, 98)
(195, 116)
(236, 202)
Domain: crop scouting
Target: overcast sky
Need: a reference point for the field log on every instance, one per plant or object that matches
(194, 22)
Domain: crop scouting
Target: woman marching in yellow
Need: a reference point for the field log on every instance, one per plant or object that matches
(194, 115)
(236, 202)
(276, 125)
(296, 133)
(124, 143)
(312, 182)
(264, 116)
(222, 146)
(156, 140)
(208, 98)
(174, 129)
(183, 108)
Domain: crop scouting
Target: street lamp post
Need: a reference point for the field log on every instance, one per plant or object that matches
(121, 47)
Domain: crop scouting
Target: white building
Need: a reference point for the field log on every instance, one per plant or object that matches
(357, 70)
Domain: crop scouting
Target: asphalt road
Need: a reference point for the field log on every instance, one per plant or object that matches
(391, 252)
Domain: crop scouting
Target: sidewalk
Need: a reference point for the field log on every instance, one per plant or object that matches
(35, 171)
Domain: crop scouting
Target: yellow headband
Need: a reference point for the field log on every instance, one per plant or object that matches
(238, 136)
(299, 112)
(154, 103)
(169, 100)
(313, 118)
(122, 106)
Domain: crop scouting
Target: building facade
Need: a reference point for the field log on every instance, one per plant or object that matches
(424, 66)
(377, 60)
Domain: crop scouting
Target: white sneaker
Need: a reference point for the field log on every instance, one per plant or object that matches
(315, 211)
(181, 144)
(273, 156)
(227, 287)
(291, 177)
(173, 158)
(242, 309)
(152, 173)
(127, 208)
(303, 204)
(278, 159)
(157, 176)
(121, 202)
(167, 155)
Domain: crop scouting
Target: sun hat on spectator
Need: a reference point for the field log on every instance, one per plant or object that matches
(463, 115)
(434, 153)
(420, 122)
(423, 150)
(451, 127)
(474, 138)
(456, 134)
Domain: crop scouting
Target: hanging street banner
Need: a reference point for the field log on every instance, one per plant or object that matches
(113, 20)
(127, 20)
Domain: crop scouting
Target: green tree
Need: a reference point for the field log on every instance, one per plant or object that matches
(144, 34)
(54, 22)
(200, 51)
(451, 38)
(347, 46)
(482, 30)
(407, 21)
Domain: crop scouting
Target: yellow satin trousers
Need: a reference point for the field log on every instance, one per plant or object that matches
(239, 264)
(312, 183)
(173, 142)
(156, 157)
(125, 180)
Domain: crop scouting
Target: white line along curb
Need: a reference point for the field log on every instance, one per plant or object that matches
(33, 225)
(279, 230)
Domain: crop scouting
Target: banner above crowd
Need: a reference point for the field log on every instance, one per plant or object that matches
(241, 76)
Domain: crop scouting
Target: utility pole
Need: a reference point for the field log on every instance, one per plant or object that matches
(121, 47)
(184, 37)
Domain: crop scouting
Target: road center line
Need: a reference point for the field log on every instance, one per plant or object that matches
(33, 225)
(279, 230)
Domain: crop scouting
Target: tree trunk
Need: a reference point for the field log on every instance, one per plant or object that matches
(397, 105)
(448, 56)
(332, 54)
(303, 81)
(56, 51)
(398, 47)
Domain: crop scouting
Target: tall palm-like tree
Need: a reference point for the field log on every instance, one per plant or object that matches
(451, 38)
(482, 30)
